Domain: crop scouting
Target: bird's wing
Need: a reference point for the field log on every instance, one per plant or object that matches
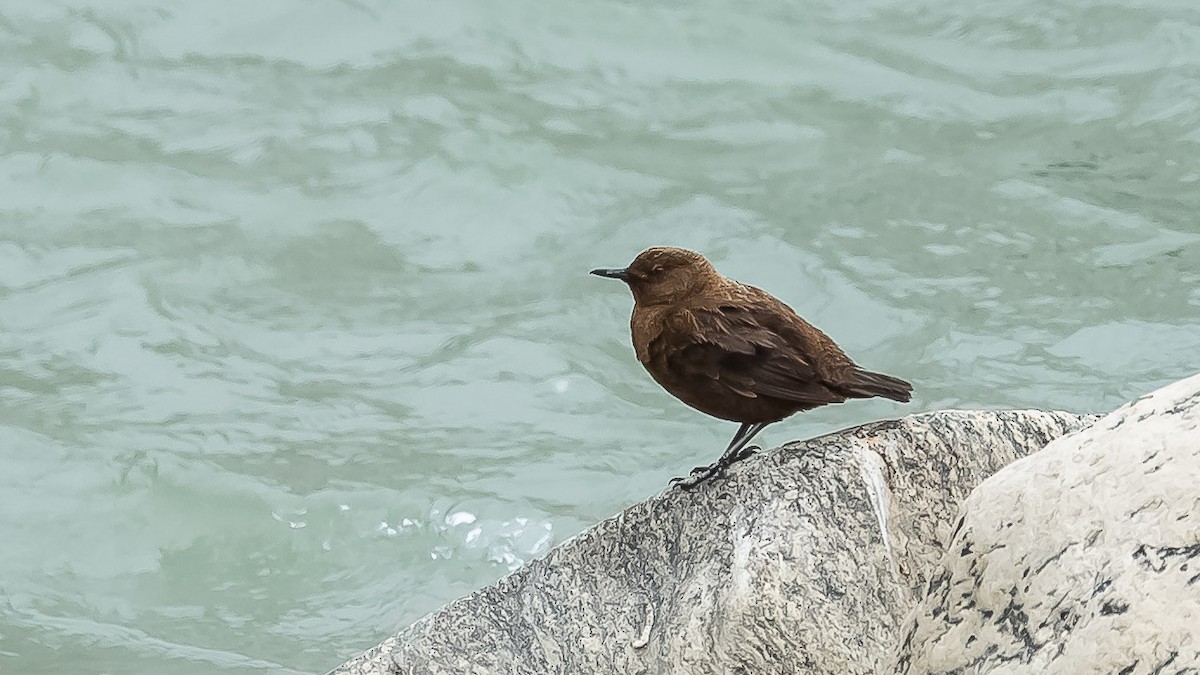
(733, 345)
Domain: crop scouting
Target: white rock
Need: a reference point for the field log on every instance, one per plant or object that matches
(1082, 558)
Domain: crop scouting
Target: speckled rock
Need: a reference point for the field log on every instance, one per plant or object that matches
(804, 559)
(1084, 558)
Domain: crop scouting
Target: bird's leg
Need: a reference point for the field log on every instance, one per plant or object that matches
(748, 451)
(743, 436)
(736, 451)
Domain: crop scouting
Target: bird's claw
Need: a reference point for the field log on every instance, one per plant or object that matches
(715, 470)
(698, 475)
(692, 474)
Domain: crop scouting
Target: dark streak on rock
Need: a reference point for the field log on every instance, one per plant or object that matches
(1157, 558)
(1056, 556)
(1183, 407)
(1170, 659)
(1111, 607)
(1015, 621)
(957, 528)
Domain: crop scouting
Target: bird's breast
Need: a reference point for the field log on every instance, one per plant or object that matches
(644, 328)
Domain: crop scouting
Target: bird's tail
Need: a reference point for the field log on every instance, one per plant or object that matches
(865, 384)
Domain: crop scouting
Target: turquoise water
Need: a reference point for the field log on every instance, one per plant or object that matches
(297, 340)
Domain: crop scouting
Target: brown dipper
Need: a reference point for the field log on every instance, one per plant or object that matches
(734, 351)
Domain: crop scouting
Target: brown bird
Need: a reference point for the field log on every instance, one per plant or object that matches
(734, 351)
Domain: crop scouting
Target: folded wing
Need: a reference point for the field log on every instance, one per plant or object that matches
(734, 348)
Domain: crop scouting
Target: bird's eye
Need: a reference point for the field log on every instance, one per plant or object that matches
(656, 270)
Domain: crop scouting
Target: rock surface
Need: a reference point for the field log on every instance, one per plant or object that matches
(1084, 558)
(803, 559)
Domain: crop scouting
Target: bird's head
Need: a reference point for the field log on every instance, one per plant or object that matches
(664, 274)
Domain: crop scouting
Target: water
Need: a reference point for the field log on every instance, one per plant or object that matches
(296, 337)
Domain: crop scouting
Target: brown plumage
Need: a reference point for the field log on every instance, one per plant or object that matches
(734, 351)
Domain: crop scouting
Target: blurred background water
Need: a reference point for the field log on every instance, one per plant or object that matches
(297, 340)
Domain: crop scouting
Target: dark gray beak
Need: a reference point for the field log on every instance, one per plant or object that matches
(612, 273)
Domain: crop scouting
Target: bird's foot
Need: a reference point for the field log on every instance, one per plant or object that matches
(715, 470)
(698, 475)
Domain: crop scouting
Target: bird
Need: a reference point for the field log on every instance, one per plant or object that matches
(734, 351)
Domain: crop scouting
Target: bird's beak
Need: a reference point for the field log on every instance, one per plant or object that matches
(612, 273)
